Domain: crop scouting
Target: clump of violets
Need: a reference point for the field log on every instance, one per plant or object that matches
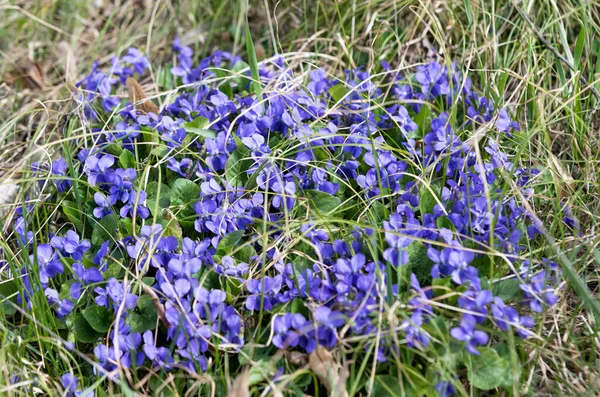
(205, 222)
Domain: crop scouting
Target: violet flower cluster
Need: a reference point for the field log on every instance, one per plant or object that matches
(239, 202)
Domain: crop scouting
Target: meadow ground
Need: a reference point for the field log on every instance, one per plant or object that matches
(540, 59)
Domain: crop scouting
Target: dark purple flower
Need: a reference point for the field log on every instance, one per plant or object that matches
(70, 245)
(98, 169)
(467, 333)
(539, 292)
(25, 237)
(263, 290)
(415, 335)
(136, 59)
(117, 292)
(507, 316)
(476, 301)
(291, 330)
(504, 124)
(84, 277)
(229, 267)
(104, 205)
(122, 184)
(69, 383)
(48, 263)
(59, 168)
(135, 205)
(433, 79)
(99, 258)
(160, 356)
(62, 306)
(445, 389)
(181, 167)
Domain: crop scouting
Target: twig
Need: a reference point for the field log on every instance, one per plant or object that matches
(557, 54)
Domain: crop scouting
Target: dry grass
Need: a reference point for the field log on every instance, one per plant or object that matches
(47, 45)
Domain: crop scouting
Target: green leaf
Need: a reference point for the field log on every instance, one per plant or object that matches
(84, 331)
(99, 318)
(65, 289)
(8, 287)
(105, 229)
(506, 289)
(165, 78)
(150, 139)
(387, 386)
(418, 261)
(243, 254)
(127, 159)
(579, 45)
(196, 127)
(73, 214)
(172, 227)
(156, 190)
(228, 242)
(114, 148)
(378, 211)
(428, 198)
(236, 167)
(241, 80)
(505, 353)
(261, 370)
(186, 219)
(256, 87)
(233, 288)
(597, 256)
(160, 151)
(299, 306)
(322, 202)
(488, 370)
(467, 4)
(422, 119)
(445, 284)
(184, 191)
(145, 320)
(126, 224)
(338, 91)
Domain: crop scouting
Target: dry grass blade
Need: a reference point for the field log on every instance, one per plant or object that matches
(137, 94)
(331, 374)
(8, 192)
(241, 385)
(160, 308)
(565, 176)
(66, 56)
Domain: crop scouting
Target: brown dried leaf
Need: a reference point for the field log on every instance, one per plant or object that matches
(33, 76)
(29, 75)
(260, 52)
(331, 374)
(296, 358)
(137, 94)
(241, 385)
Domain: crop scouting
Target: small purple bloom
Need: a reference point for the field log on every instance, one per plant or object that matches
(104, 205)
(48, 263)
(136, 59)
(98, 169)
(467, 333)
(70, 245)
